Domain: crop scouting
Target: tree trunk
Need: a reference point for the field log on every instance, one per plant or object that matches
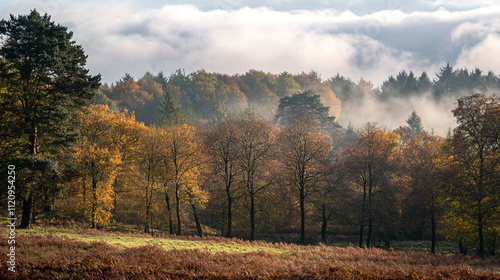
(229, 212)
(94, 202)
(115, 198)
(369, 210)
(146, 225)
(28, 203)
(27, 209)
(302, 216)
(480, 232)
(252, 216)
(324, 225)
(463, 250)
(197, 221)
(178, 209)
(169, 214)
(47, 203)
(433, 229)
(370, 230)
(363, 213)
(361, 229)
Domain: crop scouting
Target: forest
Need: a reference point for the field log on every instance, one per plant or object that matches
(257, 156)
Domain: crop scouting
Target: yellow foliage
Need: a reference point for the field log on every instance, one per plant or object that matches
(108, 142)
(184, 150)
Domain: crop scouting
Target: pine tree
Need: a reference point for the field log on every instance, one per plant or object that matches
(443, 85)
(304, 105)
(47, 85)
(169, 109)
(415, 123)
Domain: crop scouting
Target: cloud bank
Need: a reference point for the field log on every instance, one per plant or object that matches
(123, 37)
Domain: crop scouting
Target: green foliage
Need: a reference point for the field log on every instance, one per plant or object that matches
(306, 105)
(415, 123)
(460, 82)
(405, 85)
(168, 108)
(287, 86)
(46, 85)
(343, 87)
(102, 99)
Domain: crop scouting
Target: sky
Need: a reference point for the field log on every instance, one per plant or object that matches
(370, 39)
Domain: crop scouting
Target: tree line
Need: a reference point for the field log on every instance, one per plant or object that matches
(204, 95)
(250, 156)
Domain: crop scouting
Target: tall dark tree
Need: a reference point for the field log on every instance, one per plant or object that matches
(343, 87)
(162, 80)
(125, 78)
(424, 83)
(443, 86)
(255, 140)
(306, 105)
(46, 85)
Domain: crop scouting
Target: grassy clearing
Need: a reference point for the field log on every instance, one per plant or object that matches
(124, 241)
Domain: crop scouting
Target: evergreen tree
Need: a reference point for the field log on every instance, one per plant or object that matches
(415, 123)
(125, 78)
(221, 111)
(162, 80)
(148, 76)
(445, 79)
(47, 85)
(344, 88)
(424, 83)
(304, 105)
(169, 109)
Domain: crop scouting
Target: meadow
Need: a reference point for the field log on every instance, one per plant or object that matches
(64, 253)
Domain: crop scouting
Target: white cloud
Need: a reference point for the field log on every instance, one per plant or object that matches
(462, 4)
(368, 39)
(473, 31)
(124, 37)
(485, 55)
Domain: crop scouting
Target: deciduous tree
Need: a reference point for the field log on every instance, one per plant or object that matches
(475, 147)
(426, 166)
(255, 139)
(185, 156)
(222, 149)
(366, 163)
(304, 155)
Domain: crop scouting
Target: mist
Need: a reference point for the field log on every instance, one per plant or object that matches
(436, 115)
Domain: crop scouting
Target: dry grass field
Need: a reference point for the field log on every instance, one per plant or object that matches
(53, 253)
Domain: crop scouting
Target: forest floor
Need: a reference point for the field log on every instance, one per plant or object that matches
(64, 253)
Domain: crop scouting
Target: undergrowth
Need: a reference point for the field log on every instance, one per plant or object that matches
(90, 254)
